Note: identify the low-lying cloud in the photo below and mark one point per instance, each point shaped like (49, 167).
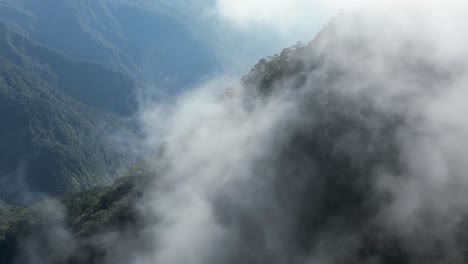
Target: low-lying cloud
(357, 155)
(350, 149)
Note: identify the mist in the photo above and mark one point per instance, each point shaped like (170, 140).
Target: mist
(357, 155)
(347, 149)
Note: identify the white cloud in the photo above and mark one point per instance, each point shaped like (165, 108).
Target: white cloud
(280, 14)
(224, 160)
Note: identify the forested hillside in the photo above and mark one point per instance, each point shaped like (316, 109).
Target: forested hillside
(57, 120)
(87, 220)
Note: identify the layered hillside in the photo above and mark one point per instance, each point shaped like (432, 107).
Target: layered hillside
(86, 82)
(135, 38)
(57, 119)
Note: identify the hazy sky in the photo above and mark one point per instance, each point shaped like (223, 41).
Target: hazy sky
(281, 15)
(241, 32)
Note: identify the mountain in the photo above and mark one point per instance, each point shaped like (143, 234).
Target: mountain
(341, 150)
(149, 42)
(57, 118)
(82, 216)
(320, 182)
(103, 225)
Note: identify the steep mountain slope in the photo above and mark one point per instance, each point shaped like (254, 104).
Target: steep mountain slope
(55, 130)
(146, 42)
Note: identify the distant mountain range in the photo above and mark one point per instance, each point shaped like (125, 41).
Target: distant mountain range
(150, 42)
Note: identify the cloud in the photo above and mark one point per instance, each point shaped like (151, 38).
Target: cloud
(281, 14)
(360, 149)
(355, 154)
(50, 241)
